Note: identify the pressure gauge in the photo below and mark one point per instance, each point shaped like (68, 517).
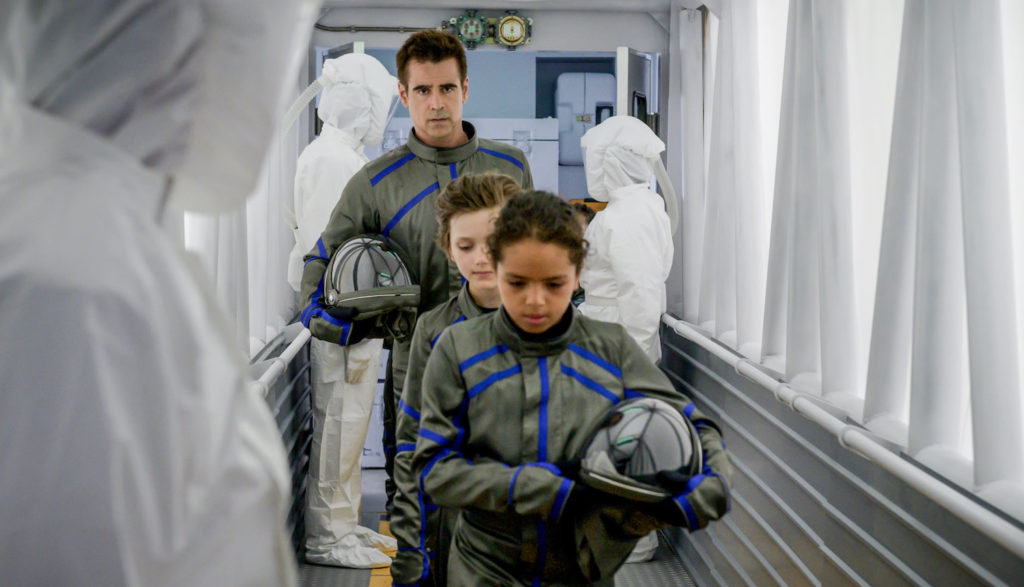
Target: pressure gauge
(511, 31)
(471, 29)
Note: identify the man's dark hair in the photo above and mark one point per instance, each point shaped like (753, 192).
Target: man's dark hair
(430, 45)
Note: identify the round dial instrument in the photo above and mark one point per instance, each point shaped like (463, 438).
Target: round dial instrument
(511, 30)
(471, 29)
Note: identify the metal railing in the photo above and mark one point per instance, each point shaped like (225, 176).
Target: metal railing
(860, 441)
(281, 372)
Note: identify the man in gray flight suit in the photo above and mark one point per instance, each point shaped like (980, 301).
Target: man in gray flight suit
(394, 195)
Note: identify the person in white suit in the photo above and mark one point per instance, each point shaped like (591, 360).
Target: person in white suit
(134, 452)
(358, 97)
(630, 241)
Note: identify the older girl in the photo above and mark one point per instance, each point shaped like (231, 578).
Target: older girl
(508, 394)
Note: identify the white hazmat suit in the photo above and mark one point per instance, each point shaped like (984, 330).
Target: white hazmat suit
(630, 241)
(354, 105)
(133, 452)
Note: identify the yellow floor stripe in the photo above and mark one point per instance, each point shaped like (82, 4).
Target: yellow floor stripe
(382, 577)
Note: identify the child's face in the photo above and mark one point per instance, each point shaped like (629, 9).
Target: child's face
(468, 247)
(536, 281)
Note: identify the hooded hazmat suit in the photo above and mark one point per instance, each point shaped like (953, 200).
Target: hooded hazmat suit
(133, 451)
(630, 241)
(354, 105)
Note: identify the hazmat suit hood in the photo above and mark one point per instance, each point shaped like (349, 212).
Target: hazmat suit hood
(622, 151)
(618, 153)
(358, 96)
(179, 114)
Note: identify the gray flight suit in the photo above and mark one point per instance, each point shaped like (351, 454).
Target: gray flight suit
(422, 529)
(393, 196)
(497, 411)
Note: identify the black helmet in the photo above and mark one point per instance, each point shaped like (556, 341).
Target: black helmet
(640, 449)
(367, 283)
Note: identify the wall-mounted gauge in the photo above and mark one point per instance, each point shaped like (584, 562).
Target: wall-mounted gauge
(470, 28)
(512, 30)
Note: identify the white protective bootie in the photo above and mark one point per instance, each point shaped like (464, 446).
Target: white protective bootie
(644, 549)
(374, 539)
(349, 552)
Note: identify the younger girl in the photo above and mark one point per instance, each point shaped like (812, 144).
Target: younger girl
(466, 211)
(508, 394)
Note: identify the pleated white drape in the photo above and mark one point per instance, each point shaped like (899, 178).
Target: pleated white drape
(892, 285)
(948, 315)
(246, 252)
(810, 315)
(685, 156)
(734, 236)
(221, 243)
(272, 302)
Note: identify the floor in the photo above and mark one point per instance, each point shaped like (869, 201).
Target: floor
(665, 570)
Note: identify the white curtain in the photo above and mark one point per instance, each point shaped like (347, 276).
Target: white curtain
(221, 244)
(686, 157)
(246, 252)
(894, 280)
(272, 302)
(733, 251)
(810, 314)
(948, 316)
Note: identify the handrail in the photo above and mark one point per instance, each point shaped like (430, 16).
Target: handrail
(273, 368)
(859, 441)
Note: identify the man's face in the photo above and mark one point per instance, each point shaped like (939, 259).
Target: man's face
(434, 96)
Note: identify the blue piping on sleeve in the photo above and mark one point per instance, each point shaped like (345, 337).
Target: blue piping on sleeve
(550, 467)
(482, 356)
(409, 410)
(423, 509)
(590, 384)
(517, 162)
(593, 358)
(563, 492)
(407, 207)
(433, 437)
(691, 516)
(512, 485)
(435, 339)
(314, 303)
(387, 170)
(494, 378)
